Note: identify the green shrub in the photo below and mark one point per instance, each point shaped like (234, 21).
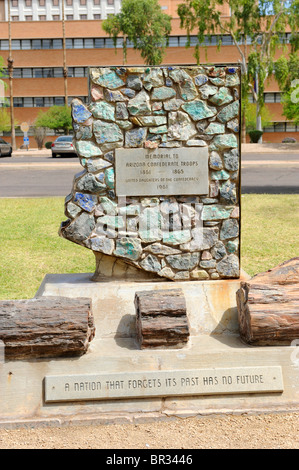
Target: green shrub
(48, 145)
(255, 136)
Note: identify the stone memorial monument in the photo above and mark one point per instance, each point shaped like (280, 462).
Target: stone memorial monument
(160, 185)
(163, 326)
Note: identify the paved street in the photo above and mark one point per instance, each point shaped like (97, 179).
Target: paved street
(29, 175)
(270, 173)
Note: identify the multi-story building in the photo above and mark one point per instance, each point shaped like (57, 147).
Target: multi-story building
(37, 51)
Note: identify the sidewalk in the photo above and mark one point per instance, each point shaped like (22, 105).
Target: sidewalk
(270, 148)
(33, 152)
(246, 148)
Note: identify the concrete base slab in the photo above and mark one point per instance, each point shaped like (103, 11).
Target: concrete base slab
(214, 344)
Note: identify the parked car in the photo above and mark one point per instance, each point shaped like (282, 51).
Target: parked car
(63, 145)
(5, 149)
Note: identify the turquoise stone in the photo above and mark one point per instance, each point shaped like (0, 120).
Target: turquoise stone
(95, 164)
(215, 128)
(224, 141)
(79, 229)
(90, 183)
(103, 110)
(228, 192)
(200, 79)
(87, 149)
(107, 132)
(79, 112)
(184, 261)
(151, 264)
(177, 237)
(223, 96)
(135, 137)
(232, 246)
(108, 206)
(127, 247)
(229, 229)
(85, 201)
(187, 88)
(106, 78)
(158, 130)
(83, 132)
(216, 212)
(229, 266)
(139, 105)
(109, 178)
(229, 112)
(163, 93)
(231, 160)
(112, 221)
(219, 175)
(198, 110)
(232, 80)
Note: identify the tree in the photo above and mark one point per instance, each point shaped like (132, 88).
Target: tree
(39, 136)
(255, 28)
(286, 74)
(144, 24)
(250, 115)
(5, 124)
(56, 118)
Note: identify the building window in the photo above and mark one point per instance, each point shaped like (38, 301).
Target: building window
(97, 16)
(42, 17)
(17, 73)
(78, 43)
(58, 72)
(69, 43)
(83, 17)
(59, 101)
(282, 127)
(38, 102)
(110, 2)
(28, 3)
(42, 3)
(57, 43)
(18, 102)
(36, 44)
(28, 18)
(69, 2)
(55, 3)
(27, 73)
(38, 73)
(82, 2)
(16, 44)
(14, 3)
(291, 127)
(46, 44)
(28, 102)
(69, 17)
(14, 18)
(97, 2)
(56, 17)
(88, 43)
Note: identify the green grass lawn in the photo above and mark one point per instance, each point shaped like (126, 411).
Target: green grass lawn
(31, 247)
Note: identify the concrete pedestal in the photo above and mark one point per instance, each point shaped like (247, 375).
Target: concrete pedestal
(214, 344)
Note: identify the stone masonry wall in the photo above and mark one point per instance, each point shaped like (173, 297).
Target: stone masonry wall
(177, 237)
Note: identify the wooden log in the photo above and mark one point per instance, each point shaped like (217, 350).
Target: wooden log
(161, 319)
(46, 327)
(268, 306)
